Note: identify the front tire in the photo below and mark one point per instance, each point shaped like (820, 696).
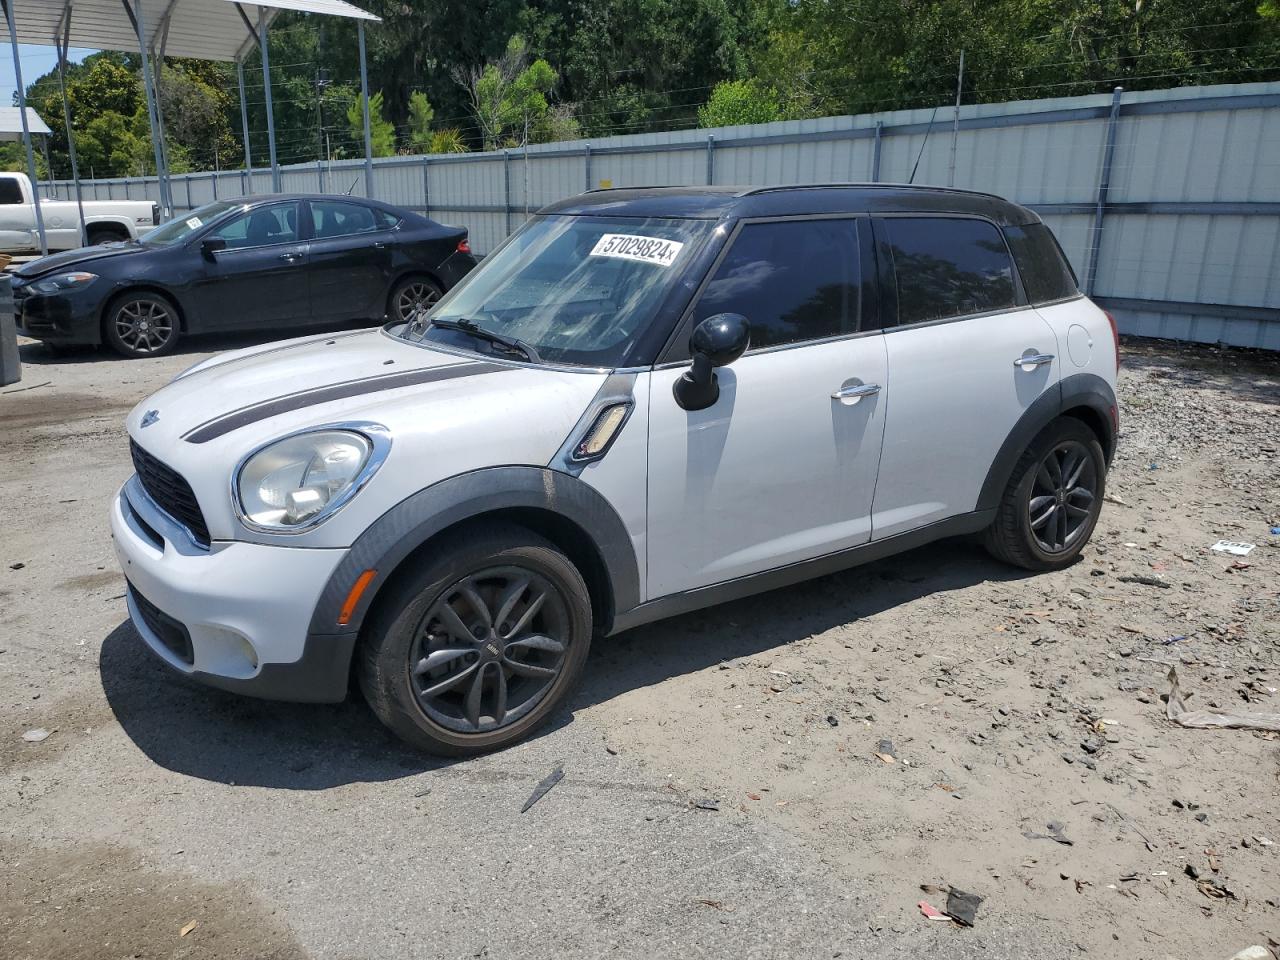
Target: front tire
(141, 324)
(1053, 499)
(480, 646)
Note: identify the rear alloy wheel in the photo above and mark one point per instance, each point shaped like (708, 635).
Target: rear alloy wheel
(142, 325)
(480, 647)
(412, 296)
(1052, 503)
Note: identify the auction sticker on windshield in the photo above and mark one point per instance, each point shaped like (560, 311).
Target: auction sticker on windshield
(194, 223)
(625, 246)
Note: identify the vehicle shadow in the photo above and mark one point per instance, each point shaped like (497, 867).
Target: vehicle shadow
(206, 733)
(36, 353)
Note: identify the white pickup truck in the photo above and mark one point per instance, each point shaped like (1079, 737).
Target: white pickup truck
(105, 219)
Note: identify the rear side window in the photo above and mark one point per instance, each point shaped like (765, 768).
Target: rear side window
(793, 280)
(336, 218)
(10, 191)
(1046, 274)
(948, 267)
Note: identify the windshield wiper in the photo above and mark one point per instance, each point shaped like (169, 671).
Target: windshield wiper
(471, 328)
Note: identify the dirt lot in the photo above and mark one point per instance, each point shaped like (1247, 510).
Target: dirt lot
(1008, 702)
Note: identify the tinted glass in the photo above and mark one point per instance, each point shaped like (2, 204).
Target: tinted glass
(333, 218)
(579, 289)
(793, 280)
(1045, 273)
(386, 219)
(948, 267)
(277, 223)
(10, 191)
(175, 231)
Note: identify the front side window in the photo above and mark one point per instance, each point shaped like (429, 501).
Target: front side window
(176, 231)
(948, 267)
(793, 280)
(336, 218)
(277, 223)
(578, 289)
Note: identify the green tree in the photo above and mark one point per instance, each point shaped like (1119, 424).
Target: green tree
(509, 95)
(421, 113)
(740, 101)
(382, 133)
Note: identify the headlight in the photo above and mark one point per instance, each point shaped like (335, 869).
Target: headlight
(63, 281)
(298, 482)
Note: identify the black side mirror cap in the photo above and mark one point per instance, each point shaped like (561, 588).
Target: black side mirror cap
(716, 342)
(211, 245)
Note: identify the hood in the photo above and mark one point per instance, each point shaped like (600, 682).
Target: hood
(447, 413)
(75, 258)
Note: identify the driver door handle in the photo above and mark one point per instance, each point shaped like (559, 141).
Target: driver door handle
(854, 392)
(1034, 360)
(291, 257)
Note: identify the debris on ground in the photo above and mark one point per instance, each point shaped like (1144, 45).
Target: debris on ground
(36, 735)
(1236, 548)
(963, 907)
(706, 803)
(1055, 834)
(1176, 710)
(1146, 580)
(931, 912)
(1253, 953)
(886, 752)
(540, 791)
(188, 928)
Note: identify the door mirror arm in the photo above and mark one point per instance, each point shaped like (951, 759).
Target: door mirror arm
(716, 342)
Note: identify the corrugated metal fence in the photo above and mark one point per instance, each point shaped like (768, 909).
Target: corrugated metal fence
(1167, 202)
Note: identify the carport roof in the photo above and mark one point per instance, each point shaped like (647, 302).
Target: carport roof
(201, 29)
(11, 123)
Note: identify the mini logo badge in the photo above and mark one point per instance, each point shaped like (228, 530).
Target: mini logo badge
(150, 417)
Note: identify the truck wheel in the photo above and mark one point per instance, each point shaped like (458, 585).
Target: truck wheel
(141, 324)
(107, 235)
(480, 645)
(1051, 505)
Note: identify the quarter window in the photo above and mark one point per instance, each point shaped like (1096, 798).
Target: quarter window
(1045, 273)
(277, 223)
(948, 267)
(793, 280)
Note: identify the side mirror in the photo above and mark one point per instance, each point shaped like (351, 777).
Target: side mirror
(212, 245)
(716, 342)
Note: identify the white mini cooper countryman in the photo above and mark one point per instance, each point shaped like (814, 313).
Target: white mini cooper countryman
(644, 402)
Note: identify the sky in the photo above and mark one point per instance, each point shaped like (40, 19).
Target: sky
(36, 62)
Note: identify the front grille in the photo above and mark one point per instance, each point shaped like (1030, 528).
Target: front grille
(170, 492)
(169, 631)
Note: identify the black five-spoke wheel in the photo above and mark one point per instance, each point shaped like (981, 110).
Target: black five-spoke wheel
(1061, 504)
(489, 649)
(472, 649)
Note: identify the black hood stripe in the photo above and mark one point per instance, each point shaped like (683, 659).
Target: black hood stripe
(224, 424)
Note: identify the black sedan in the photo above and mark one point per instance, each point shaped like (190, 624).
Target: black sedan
(269, 263)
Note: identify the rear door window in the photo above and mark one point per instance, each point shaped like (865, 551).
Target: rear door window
(948, 267)
(794, 280)
(336, 218)
(1046, 274)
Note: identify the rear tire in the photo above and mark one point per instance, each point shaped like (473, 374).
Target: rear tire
(411, 294)
(107, 235)
(1051, 505)
(141, 324)
(478, 647)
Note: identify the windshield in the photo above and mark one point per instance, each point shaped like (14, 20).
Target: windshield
(175, 231)
(577, 289)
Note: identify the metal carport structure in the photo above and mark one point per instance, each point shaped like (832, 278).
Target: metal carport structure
(220, 30)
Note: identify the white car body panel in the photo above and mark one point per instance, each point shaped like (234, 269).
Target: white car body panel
(774, 472)
(18, 233)
(955, 394)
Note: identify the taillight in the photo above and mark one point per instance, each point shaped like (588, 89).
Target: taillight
(465, 247)
(1115, 336)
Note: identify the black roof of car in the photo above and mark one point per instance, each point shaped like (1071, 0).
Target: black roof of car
(714, 203)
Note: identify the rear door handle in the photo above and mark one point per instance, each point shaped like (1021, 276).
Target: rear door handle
(379, 245)
(1033, 360)
(291, 257)
(856, 392)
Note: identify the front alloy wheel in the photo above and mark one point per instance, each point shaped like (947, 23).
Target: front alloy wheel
(142, 325)
(475, 649)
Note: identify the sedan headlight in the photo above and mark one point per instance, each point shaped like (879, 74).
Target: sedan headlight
(62, 282)
(302, 480)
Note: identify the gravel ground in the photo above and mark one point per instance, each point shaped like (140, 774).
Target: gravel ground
(1008, 702)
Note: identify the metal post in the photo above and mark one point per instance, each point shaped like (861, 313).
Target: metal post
(66, 119)
(187, 178)
(955, 124)
(711, 159)
(26, 129)
(586, 163)
(875, 155)
(506, 185)
(426, 187)
(320, 173)
(162, 175)
(364, 98)
(214, 180)
(244, 116)
(152, 110)
(266, 82)
(1104, 184)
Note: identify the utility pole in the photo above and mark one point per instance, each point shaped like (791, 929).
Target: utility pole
(955, 124)
(322, 81)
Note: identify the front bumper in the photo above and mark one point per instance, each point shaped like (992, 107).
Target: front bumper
(233, 616)
(70, 317)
